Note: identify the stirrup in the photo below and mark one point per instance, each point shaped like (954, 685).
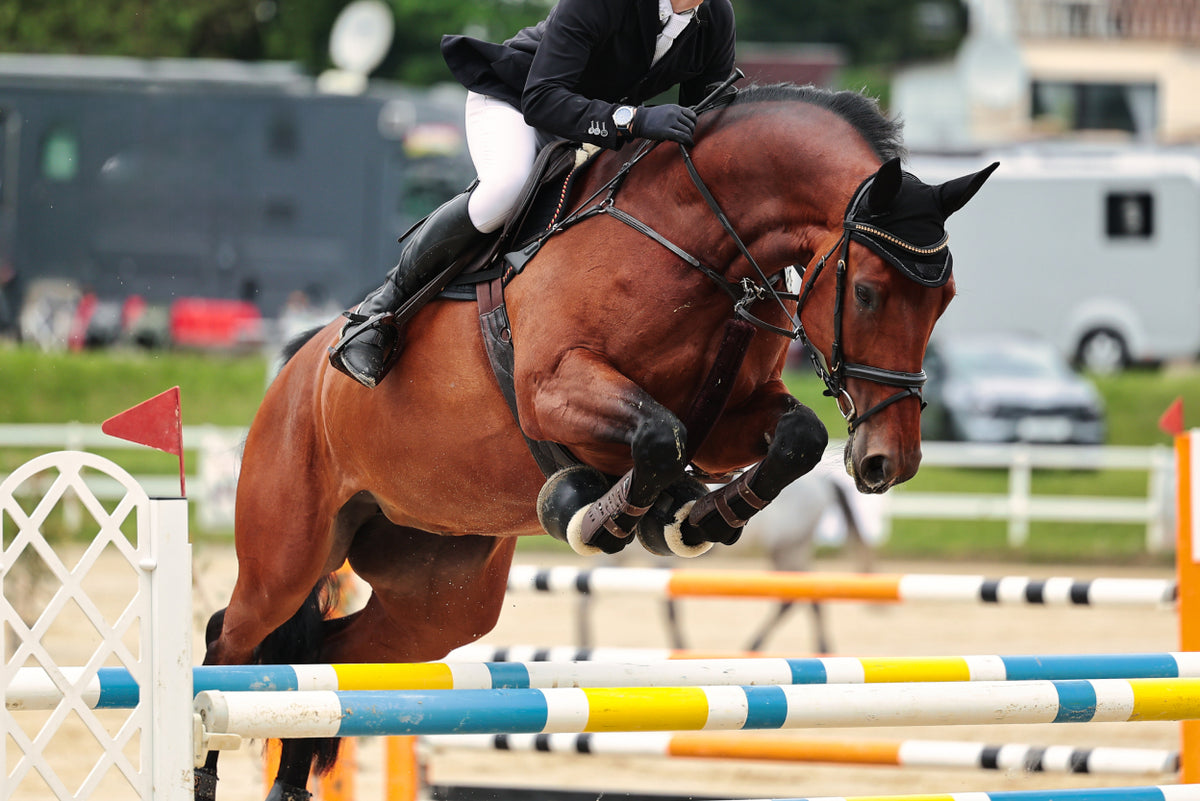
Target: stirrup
(357, 325)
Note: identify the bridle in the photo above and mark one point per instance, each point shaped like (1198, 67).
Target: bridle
(834, 375)
(747, 292)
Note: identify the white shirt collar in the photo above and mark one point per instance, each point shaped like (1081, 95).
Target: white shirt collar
(665, 11)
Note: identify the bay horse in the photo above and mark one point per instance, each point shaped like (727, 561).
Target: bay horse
(619, 327)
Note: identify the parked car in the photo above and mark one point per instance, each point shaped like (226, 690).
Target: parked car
(1008, 388)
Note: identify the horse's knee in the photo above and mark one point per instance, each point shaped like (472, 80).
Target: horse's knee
(797, 447)
(660, 445)
(800, 438)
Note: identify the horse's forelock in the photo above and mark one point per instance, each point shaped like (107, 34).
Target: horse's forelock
(859, 110)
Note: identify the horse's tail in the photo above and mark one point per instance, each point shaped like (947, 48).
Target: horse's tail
(293, 345)
(299, 641)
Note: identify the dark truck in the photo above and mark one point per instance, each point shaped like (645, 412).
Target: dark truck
(164, 180)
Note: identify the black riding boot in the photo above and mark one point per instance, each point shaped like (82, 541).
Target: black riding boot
(370, 341)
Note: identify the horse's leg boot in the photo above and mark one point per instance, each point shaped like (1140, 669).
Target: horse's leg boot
(565, 493)
(721, 514)
(286, 792)
(660, 531)
(608, 523)
(370, 341)
(204, 783)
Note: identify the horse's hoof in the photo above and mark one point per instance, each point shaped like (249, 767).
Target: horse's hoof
(602, 541)
(204, 784)
(565, 493)
(673, 538)
(711, 529)
(287, 792)
(661, 530)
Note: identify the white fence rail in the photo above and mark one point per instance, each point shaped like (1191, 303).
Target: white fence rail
(214, 454)
(213, 478)
(1019, 506)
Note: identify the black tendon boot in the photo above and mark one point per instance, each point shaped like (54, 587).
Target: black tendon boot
(370, 341)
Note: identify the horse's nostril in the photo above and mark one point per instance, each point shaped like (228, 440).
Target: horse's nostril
(876, 471)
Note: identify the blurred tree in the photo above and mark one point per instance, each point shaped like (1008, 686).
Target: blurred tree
(146, 28)
(874, 32)
(298, 30)
(293, 30)
(415, 56)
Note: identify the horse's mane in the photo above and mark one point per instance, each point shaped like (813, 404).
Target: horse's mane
(859, 110)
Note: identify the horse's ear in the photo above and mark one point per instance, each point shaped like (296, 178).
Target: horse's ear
(953, 195)
(885, 187)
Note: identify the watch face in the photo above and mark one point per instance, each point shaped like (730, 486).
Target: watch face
(623, 116)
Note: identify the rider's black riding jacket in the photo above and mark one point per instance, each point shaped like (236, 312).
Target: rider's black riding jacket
(568, 73)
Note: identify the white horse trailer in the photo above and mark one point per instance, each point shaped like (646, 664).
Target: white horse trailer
(1095, 249)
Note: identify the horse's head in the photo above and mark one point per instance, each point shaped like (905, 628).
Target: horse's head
(887, 279)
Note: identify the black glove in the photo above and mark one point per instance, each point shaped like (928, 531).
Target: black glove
(668, 122)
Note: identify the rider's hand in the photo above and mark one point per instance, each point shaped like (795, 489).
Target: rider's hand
(667, 122)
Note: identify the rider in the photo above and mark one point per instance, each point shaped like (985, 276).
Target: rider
(581, 74)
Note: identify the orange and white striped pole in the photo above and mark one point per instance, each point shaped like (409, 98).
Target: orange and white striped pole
(1187, 563)
(403, 771)
(339, 783)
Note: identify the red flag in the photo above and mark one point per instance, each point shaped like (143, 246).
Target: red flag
(156, 422)
(1171, 421)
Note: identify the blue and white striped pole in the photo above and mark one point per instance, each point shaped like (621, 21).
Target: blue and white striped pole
(114, 688)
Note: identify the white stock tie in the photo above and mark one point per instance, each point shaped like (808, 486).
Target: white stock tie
(674, 25)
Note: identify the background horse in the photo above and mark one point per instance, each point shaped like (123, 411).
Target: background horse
(424, 483)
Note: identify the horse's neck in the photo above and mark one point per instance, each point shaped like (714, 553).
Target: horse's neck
(783, 188)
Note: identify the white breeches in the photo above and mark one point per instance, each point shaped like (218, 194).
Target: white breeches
(503, 148)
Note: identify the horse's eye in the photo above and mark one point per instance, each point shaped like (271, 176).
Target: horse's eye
(865, 296)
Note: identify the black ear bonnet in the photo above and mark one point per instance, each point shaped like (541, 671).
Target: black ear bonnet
(902, 219)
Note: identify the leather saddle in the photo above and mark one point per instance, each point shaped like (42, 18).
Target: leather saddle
(539, 207)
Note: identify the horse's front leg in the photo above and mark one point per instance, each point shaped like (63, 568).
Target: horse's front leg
(588, 406)
(795, 448)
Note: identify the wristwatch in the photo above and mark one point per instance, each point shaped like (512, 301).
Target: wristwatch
(623, 118)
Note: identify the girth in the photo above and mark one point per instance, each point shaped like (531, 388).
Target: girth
(497, 341)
